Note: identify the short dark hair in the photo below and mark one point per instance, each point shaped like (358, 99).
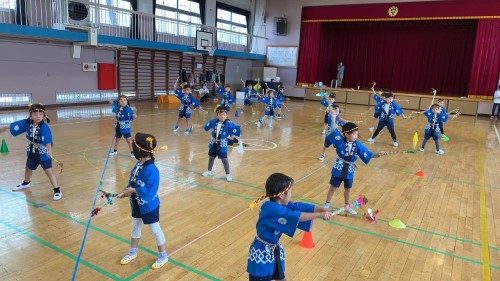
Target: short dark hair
(332, 95)
(220, 108)
(388, 95)
(277, 183)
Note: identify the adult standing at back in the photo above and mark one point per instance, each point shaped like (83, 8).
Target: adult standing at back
(340, 74)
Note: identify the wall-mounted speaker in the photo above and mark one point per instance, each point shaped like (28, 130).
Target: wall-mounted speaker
(280, 26)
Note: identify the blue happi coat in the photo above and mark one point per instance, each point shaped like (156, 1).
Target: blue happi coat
(274, 220)
(145, 178)
(186, 102)
(433, 121)
(230, 129)
(271, 104)
(38, 136)
(227, 98)
(377, 109)
(389, 116)
(349, 155)
(124, 115)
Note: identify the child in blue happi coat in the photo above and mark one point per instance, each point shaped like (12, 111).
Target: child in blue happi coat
(327, 103)
(278, 216)
(280, 96)
(39, 149)
(223, 131)
(250, 94)
(348, 150)
(227, 98)
(144, 201)
(386, 119)
(271, 104)
(335, 121)
(124, 115)
(434, 118)
(187, 100)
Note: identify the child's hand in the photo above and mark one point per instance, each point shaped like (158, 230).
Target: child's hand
(326, 215)
(129, 190)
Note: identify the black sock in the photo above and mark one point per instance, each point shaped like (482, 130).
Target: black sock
(26, 182)
(115, 150)
(56, 190)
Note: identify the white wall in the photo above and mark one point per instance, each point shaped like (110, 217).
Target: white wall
(237, 69)
(44, 69)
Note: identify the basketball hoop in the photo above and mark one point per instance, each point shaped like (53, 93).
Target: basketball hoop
(210, 50)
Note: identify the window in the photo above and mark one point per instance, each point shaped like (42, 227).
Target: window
(233, 20)
(178, 10)
(111, 16)
(7, 4)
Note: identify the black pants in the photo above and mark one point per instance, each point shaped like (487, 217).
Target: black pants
(497, 107)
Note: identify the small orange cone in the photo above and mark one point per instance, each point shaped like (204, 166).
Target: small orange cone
(420, 174)
(307, 240)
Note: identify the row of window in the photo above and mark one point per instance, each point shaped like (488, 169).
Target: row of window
(178, 10)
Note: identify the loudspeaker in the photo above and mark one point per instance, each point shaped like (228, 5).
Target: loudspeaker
(281, 26)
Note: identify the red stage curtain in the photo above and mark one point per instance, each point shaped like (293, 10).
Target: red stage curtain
(486, 62)
(309, 52)
(410, 56)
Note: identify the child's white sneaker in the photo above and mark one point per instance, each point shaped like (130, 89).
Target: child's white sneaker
(132, 155)
(113, 153)
(159, 263)
(21, 186)
(371, 128)
(57, 196)
(323, 133)
(395, 144)
(370, 140)
(440, 152)
(228, 177)
(207, 173)
(128, 258)
(321, 157)
(176, 129)
(326, 206)
(421, 149)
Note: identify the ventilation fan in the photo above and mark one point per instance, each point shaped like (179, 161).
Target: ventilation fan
(77, 14)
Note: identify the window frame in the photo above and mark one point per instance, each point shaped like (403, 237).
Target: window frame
(178, 12)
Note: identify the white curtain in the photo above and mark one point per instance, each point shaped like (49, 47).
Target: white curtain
(259, 28)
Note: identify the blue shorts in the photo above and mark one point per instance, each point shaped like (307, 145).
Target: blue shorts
(118, 133)
(33, 161)
(335, 182)
(248, 102)
(184, 112)
(327, 118)
(384, 123)
(327, 142)
(147, 218)
(216, 151)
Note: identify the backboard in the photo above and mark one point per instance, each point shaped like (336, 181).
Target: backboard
(204, 40)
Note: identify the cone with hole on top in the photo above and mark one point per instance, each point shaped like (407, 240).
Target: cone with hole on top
(420, 174)
(307, 240)
(4, 148)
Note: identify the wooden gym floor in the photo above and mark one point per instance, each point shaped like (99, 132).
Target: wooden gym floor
(452, 223)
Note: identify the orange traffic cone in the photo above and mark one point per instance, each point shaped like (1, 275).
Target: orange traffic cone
(420, 174)
(307, 240)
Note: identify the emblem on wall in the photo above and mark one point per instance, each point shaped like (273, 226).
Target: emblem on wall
(393, 11)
